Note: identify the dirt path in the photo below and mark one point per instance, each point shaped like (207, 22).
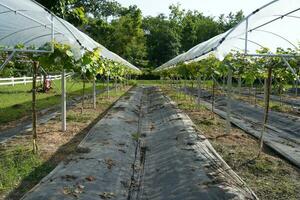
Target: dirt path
(147, 149)
(283, 130)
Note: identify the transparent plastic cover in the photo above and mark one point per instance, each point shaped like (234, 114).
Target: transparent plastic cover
(275, 25)
(28, 24)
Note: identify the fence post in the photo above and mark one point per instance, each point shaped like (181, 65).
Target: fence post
(24, 80)
(12, 81)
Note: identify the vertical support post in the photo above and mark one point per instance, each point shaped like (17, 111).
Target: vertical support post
(229, 90)
(107, 81)
(185, 88)
(199, 90)
(296, 92)
(13, 81)
(94, 94)
(213, 97)
(116, 85)
(297, 84)
(255, 94)
(83, 95)
(240, 85)
(24, 80)
(34, 114)
(268, 83)
(63, 102)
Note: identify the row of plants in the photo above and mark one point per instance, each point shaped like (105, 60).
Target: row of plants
(87, 66)
(248, 70)
(268, 74)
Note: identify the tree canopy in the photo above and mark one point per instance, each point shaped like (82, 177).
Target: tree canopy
(149, 41)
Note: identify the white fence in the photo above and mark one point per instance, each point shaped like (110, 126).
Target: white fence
(24, 80)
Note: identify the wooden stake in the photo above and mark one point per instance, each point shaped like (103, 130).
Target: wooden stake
(94, 94)
(267, 105)
(199, 91)
(213, 99)
(240, 85)
(34, 114)
(255, 98)
(107, 82)
(83, 94)
(116, 85)
(229, 90)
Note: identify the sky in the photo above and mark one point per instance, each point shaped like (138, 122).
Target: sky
(208, 7)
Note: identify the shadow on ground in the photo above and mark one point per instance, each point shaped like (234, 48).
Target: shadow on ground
(62, 154)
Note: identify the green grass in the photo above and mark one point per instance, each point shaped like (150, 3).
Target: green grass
(150, 82)
(135, 136)
(15, 101)
(18, 163)
(77, 117)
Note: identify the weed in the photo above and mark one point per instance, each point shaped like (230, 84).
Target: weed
(135, 136)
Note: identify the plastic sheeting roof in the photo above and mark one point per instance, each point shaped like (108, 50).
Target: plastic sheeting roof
(274, 25)
(26, 22)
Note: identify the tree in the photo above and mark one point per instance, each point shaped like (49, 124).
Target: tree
(100, 30)
(101, 9)
(58, 7)
(197, 28)
(128, 39)
(163, 42)
(67, 10)
(229, 21)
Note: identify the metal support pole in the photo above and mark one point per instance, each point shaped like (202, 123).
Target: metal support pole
(246, 36)
(63, 102)
(7, 60)
(291, 69)
(94, 94)
(229, 90)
